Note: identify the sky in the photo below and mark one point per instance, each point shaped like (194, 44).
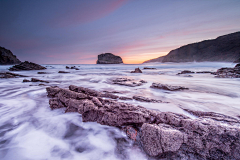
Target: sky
(76, 31)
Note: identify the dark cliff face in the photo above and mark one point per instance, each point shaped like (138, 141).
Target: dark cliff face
(159, 59)
(222, 49)
(7, 57)
(109, 58)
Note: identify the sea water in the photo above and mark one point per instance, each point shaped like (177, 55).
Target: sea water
(30, 130)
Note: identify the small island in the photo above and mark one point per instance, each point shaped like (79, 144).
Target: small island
(109, 58)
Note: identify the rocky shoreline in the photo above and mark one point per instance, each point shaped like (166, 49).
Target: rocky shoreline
(159, 134)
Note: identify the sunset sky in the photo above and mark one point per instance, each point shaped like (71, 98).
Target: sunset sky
(76, 31)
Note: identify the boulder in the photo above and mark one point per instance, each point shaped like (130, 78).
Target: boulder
(167, 87)
(7, 57)
(137, 70)
(109, 58)
(27, 66)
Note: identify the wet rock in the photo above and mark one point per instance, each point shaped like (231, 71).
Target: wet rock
(10, 75)
(67, 67)
(161, 134)
(27, 66)
(109, 58)
(38, 80)
(43, 73)
(74, 67)
(167, 87)
(185, 72)
(63, 72)
(228, 72)
(205, 72)
(125, 98)
(149, 68)
(128, 82)
(137, 70)
(26, 80)
(144, 99)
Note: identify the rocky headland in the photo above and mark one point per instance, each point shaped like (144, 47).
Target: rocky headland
(160, 134)
(7, 57)
(109, 58)
(225, 48)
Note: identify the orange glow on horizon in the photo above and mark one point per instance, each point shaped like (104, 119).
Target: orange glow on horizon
(142, 57)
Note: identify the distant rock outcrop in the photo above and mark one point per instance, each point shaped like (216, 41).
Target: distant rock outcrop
(225, 48)
(7, 57)
(109, 58)
(27, 66)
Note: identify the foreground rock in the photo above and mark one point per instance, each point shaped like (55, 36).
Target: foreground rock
(161, 134)
(10, 75)
(27, 66)
(137, 70)
(7, 57)
(128, 82)
(109, 58)
(228, 72)
(144, 99)
(167, 87)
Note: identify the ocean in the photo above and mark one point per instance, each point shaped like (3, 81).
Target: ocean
(30, 130)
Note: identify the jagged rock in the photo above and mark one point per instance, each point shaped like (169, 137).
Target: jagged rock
(228, 72)
(148, 67)
(63, 72)
(167, 87)
(27, 66)
(137, 70)
(109, 58)
(10, 75)
(128, 82)
(7, 57)
(161, 134)
(185, 72)
(144, 99)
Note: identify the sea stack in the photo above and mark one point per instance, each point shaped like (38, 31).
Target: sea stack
(109, 58)
(7, 57)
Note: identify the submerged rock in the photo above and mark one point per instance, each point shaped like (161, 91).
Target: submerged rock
(35, 80)
(10, 75)
(63, 72)
(137, 70)
(128, 82)
(149, 68)
(7, 57)
(185, 72)
(167, 87)
(109, 58)
(27, 66)
(161, 134)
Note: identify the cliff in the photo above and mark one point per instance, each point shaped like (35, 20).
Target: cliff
(7, 57)
(109, 58)
(225, 48)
